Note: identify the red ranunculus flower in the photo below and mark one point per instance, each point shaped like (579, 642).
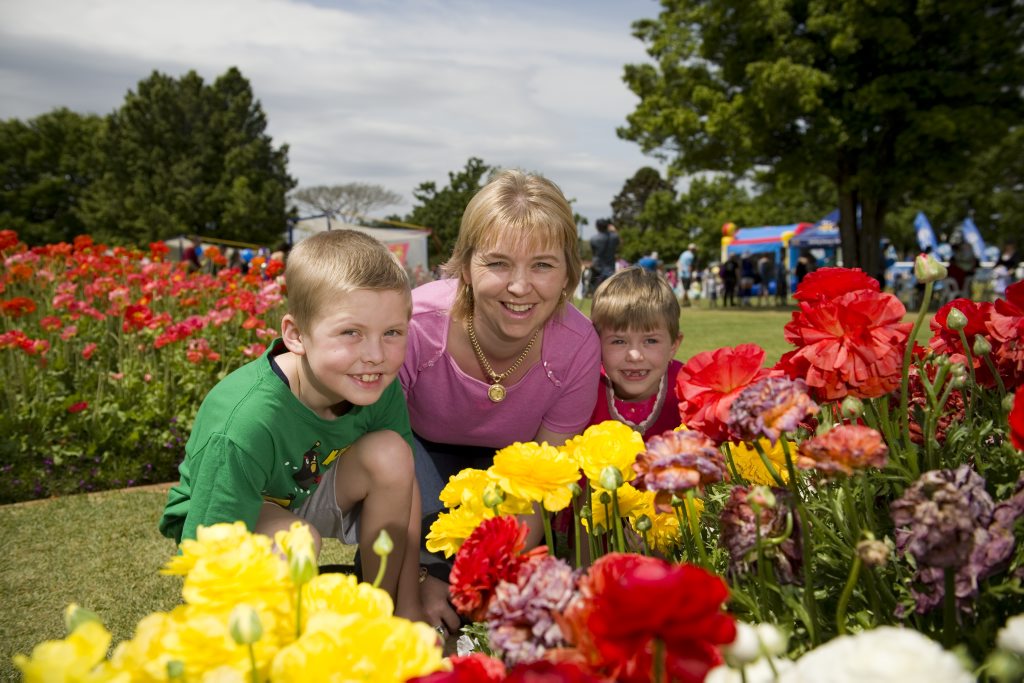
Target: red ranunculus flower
(709, 382)
(828, 283)
(1007, 327)
(628, 601)
(18, 306)
(1017, 419)
(8, 239)
(852, 344)
(136, 317)
(490, 554)
(542, 671)
(473, 668)
(947, 342)
(78, 407)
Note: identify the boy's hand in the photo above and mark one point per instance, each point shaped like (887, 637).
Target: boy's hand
(434, 595)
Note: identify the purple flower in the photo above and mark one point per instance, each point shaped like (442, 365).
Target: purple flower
(520, 618)
(740, 527)
(936, 517)
(769, 407)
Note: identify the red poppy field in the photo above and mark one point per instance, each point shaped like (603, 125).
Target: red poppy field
(107, 354)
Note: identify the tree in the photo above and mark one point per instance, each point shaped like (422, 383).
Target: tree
(349, 202)
(628, 204)
(45, 166)
(441, 209)
(181, 157)
(884, 99)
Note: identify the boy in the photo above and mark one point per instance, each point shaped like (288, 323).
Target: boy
(636, 315)
(316, 429)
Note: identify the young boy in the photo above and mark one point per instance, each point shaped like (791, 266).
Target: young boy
(636, 315)
(317, 429)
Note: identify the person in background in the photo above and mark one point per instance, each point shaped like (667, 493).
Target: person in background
(650, 262)
(730, 274)
(711, 284)
(497, 352)
(766, 277)
(636, 315)
(316, 430)
(748, 278)
(684, 268)
(962, 267)
(603, 246)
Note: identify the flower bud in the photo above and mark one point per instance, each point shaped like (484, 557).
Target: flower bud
(852, 408)
(774, 640)
(873, 553)
(955, 319)
(1008, 402)
(493, 496)
(175, 670)
(643, 523)
(586, 512)
(611, 478)
(981, 346)
(576, 490)
(244, 625)
(302, 567)
(928, 269)
(958, 376)
(605, 498)
(746, 648)
(383, 545)
(75, 616)
(761, 496)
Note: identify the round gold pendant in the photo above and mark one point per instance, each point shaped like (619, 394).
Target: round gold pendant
(496, 393)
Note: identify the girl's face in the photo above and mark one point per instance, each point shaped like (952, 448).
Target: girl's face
(516, 288)
(635, 361)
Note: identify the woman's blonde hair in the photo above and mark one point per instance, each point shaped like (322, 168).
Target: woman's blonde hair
(513, 208)
(635, 299)
(337, 262)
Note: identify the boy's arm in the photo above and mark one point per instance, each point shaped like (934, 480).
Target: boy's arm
(227, 486)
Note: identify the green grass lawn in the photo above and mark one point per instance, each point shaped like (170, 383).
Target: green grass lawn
(104, 552)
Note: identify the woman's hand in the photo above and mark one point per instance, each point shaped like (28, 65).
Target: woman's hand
(434, 596)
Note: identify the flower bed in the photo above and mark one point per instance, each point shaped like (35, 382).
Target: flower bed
(853, 513)
(107, 354)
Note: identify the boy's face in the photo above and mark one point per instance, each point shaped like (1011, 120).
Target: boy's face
(354, 348)
(635, 361)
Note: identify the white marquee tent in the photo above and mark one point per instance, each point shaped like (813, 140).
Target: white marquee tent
(409, 245)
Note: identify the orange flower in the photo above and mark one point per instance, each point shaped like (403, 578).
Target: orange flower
(844, 449)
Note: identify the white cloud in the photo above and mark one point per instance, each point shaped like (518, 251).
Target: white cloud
(394, 92)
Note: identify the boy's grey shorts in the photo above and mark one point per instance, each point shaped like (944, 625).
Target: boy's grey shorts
(321, 510)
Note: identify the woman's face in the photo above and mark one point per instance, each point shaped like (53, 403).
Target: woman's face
(516, 287)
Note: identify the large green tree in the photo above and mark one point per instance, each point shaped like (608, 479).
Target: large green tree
(885, 98)
(46, 164)
(440, 209)
(183, 157)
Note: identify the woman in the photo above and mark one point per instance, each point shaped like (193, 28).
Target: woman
(496, 352)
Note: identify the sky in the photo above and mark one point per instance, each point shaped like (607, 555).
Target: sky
(388, 92)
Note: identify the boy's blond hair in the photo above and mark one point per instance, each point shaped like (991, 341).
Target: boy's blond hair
(337, 262)
(635, 299)
(520, 208)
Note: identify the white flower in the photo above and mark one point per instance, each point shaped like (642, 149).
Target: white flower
(758, 672)
(1011, 635)
(883, 655)
(466, 645)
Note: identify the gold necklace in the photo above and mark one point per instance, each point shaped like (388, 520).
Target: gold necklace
(496, 392)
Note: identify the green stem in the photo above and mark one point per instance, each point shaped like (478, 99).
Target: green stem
(691, 515)
(844, 599)
(995, 373)
(907, 354)
(620, 538)
(684, 527)
(380, 571)
(658, 661)
(769, 465)
(549, 537)
(252, 662)
(298, 606)
(577, 532)
(810, 603)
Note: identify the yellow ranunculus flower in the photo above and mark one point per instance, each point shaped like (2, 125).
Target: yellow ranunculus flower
(748, 463)
(608, 443)
(341, 593)
(143, 657)
(467, 489)
(535, 472)
(216, 539)
(71, 659)
(353, 648)
(452, 528)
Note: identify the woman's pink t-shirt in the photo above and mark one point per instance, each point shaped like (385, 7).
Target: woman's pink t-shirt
(448, 406)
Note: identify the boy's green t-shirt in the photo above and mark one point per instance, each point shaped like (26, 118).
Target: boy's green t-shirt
(253, 440)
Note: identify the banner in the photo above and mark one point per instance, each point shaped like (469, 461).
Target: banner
(925, 235)
(973, 237)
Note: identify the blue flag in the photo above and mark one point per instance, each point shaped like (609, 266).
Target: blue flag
(973, 237)
(925, 235)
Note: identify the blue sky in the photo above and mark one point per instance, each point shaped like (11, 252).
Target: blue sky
(394, 92)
